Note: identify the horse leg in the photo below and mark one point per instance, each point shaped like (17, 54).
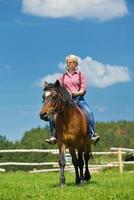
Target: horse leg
(87, 172)
(75, 163)
(62, 163)
(81, 165)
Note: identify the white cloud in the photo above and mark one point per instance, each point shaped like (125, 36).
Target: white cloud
(103, 75)
(97, 74)
(79, 9)
(49, 78)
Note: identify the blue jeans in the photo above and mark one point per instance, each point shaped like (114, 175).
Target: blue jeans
(80, 101)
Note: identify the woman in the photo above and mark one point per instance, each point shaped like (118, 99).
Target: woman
(75, 83)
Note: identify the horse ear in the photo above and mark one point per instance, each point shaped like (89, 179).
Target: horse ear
(45, 84)
(57, 83)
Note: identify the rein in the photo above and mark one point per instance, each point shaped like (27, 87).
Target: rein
(57, 104)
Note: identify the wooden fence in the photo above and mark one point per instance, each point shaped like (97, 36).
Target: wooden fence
(120, 151)
(117, 151)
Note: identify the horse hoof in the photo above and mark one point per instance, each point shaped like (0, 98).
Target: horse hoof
(77, 182)
(62, 185)
(82, 182)
(87, 176)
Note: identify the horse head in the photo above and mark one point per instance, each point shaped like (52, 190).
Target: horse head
(55, 99)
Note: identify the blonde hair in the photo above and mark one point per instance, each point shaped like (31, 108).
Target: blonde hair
(73, 57)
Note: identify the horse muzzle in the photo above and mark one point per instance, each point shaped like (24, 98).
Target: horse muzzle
(44, 116)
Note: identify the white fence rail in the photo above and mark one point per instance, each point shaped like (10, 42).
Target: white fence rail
(2, 170)
(117, 151)
(55, 151)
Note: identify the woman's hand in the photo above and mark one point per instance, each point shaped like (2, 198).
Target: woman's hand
(74, 94)
(79, 93)
(70, 93)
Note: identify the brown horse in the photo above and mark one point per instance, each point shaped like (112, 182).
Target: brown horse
(71, 129)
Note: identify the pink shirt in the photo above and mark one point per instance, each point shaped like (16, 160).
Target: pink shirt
(72, 82)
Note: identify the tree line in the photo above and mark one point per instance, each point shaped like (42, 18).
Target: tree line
(112, 134)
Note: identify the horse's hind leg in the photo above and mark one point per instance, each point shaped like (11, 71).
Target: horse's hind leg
(75, 163)
(81, 165)
(87, 172)
(62, 163)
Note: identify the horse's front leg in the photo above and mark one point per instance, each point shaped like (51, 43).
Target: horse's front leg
(62, 163)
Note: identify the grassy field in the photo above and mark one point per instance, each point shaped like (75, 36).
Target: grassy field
(103, 186)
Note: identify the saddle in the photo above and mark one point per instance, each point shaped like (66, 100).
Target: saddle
(85, 115)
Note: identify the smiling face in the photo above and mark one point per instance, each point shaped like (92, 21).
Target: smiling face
(71, 65)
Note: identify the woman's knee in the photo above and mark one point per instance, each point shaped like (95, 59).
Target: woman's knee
(85, 107)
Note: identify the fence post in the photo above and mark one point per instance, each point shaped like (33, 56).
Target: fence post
(120, 160)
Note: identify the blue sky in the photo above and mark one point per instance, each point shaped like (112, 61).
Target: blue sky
(35, 38)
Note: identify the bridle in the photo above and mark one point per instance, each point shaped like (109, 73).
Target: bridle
(56, 108)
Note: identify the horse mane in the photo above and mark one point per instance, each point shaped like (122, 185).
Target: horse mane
(65, 94)
(60, 89)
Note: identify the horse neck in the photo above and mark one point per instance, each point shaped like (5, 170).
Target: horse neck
(69, 111)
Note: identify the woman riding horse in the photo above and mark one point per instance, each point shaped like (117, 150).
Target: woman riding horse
(75, 83)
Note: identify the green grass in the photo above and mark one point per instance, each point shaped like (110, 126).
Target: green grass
(108, 185)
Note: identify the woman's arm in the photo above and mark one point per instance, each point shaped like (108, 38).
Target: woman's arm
(79, 93)
(82, 90)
